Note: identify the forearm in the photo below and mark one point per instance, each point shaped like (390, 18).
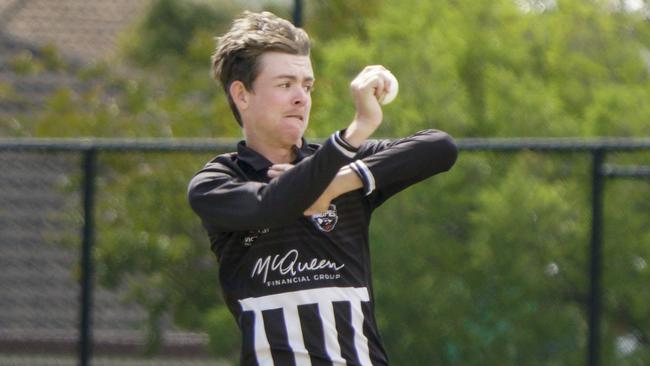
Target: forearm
(231, 203)
(357, 132)
(390, 166)
(346, 180)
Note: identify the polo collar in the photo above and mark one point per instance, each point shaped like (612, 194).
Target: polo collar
(258, 162)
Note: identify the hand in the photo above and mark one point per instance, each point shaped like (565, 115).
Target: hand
(277, 170)
(367, 88)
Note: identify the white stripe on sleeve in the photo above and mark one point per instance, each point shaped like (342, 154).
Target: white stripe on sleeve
(366, 176)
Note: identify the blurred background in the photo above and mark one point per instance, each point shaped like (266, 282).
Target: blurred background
(485, 265)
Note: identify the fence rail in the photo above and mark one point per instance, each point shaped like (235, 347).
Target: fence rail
(205, 145)
(598, 148)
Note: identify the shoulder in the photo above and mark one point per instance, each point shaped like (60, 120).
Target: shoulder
(224, 162)
(220, 168)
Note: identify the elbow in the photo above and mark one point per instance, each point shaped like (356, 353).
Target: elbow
(445, 150)
(199, 200)
(195, 200)
(451, 151)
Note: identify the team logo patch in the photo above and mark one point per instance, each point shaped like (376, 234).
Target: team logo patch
(326, 221)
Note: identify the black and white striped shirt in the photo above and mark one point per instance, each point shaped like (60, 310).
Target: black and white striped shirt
(300, 288)
(333, 319)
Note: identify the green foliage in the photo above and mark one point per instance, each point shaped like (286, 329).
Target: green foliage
(23, 64)
(169, 28)
(489, 265)
(223, 333)
(486, 69)
(332, 19)
(157, 249)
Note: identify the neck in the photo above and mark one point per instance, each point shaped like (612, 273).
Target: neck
(276, 154)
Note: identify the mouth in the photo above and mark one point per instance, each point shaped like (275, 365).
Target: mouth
(299, 117)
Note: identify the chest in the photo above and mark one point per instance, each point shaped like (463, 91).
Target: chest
(329, 250)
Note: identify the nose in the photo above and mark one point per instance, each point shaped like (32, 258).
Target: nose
(301, 96)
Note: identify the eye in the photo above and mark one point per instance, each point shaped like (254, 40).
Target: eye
(309, 88)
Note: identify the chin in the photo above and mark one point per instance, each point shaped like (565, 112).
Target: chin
(294, 134)
(294, 140)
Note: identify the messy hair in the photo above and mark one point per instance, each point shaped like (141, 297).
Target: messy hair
(238, 51)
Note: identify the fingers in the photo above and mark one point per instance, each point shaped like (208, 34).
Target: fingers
(277, 170)
(375, 80)
(391, 90)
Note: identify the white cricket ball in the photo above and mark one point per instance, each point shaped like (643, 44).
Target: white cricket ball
(392, 92)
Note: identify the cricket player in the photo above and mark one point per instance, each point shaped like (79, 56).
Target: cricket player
(288, 220)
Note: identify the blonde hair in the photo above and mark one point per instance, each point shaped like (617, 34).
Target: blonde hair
(238, 51)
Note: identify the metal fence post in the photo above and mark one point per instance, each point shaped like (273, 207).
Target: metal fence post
(85, 325)
(297, 13)
(595, 267)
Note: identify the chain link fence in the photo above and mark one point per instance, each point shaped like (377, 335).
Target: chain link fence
(58, 197)
(46, 285)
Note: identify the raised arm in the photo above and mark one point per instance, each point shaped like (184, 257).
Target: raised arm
(227, 202)
(386, 167)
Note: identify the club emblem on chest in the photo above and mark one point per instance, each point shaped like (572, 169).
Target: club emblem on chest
(326, 221)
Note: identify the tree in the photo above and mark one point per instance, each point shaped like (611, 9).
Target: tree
(491, 69)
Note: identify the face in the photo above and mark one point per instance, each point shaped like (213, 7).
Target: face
(276, 111)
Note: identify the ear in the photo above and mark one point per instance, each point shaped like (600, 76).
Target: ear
(239, 94)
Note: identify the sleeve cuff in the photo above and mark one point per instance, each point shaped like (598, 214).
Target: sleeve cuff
(365, 175)
(343, 146)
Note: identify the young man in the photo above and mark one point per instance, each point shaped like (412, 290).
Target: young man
(287, 220)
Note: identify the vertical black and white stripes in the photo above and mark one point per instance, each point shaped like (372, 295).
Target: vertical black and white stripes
(333, 319)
